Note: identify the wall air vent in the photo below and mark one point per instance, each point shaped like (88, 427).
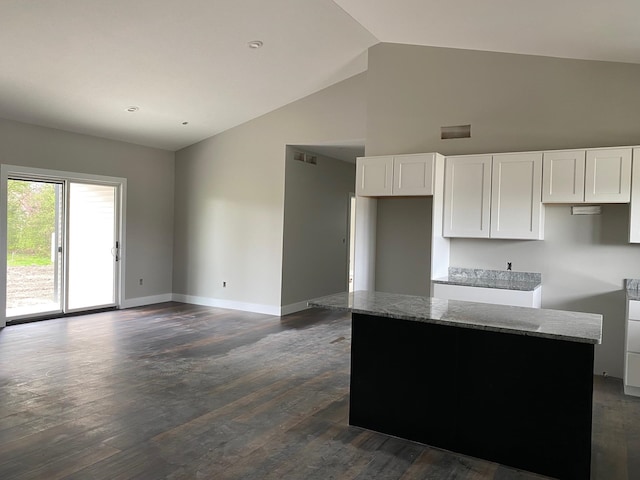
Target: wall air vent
(305, 157)
(456, 131)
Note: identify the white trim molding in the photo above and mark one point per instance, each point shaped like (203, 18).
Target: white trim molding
(142, 301)
(30, 173)
(293, 308)
(229, 304)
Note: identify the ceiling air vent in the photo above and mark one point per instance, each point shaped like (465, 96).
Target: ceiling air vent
(456, 131)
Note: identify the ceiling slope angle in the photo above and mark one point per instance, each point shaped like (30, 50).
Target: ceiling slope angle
(80, 65)
(581, 29)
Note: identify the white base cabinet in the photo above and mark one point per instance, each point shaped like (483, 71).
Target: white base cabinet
(632, 349)
(498, 296)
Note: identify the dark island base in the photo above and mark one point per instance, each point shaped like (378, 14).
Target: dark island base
(517, 400)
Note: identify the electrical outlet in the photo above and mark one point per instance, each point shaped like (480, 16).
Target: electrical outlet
(140, 281)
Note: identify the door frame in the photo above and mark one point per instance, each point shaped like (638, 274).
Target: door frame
(9, 171)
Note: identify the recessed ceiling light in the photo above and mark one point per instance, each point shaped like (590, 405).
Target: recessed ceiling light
(133, 108)
(255, 44)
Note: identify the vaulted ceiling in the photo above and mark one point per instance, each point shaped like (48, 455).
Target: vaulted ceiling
(186, 65)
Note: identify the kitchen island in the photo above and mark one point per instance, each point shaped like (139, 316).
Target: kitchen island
(512, 385)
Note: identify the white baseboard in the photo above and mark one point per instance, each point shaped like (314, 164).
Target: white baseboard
(216, 302)
(230, 304)
(141, 301)
(293, 308)
(629, 390)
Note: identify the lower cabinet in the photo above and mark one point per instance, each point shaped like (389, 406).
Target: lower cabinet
(632, 349)
(498, 296)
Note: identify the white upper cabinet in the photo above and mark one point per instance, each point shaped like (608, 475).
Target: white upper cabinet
(516, 201)
(413, 174)
(494, 196)
(563, 176)
(374, 176)
(608, 176)
(401, 175)
(587, 176)
(467, 196)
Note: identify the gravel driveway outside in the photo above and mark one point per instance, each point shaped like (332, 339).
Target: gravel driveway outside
(29, 285)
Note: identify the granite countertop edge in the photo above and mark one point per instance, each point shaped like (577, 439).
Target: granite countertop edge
(497, 279)
(552, 324)
(490, 283)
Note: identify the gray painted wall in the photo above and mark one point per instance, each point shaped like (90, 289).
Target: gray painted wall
(516, 103)
(230, 196)
(316, 214)
(149, 173)
(403, 245)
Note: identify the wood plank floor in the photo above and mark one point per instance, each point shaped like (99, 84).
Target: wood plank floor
(178, 391)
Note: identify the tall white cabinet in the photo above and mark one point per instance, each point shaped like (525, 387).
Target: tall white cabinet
(494, 196)
(411, 175)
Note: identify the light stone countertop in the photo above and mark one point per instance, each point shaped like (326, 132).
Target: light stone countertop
(553, 324)
(502, 279)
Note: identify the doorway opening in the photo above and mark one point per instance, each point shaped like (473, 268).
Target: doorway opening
(61, 243)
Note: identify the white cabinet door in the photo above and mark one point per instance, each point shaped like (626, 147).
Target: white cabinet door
(632, 349)
(497, 296)
(632, 370)
(516, 196)
(633, 336)
(634, 208)
(563, 176)
(608, 176)
(467, 196)
(413, 174)
(374, 176)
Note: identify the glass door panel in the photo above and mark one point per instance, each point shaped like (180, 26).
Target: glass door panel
(34, 266)
(91, 250)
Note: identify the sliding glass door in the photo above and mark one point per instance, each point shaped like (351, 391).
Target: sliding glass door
(91, 246)
(34, 238)
(63, 246)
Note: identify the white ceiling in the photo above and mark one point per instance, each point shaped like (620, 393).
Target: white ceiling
(78, 64)
(585, 29)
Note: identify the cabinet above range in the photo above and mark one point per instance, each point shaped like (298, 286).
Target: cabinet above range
(600, 175)
(395, 175)
(494, 196)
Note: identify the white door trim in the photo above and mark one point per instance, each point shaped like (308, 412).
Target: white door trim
(7, 171)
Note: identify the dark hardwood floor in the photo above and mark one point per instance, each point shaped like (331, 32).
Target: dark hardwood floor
(185, 392)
